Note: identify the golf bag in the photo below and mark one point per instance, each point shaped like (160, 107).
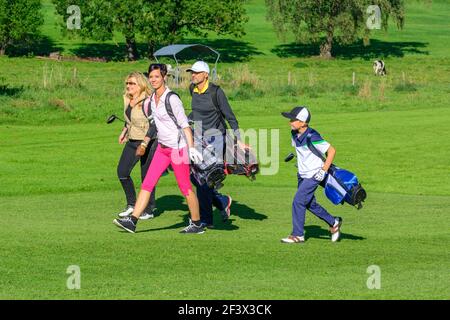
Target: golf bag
(210, 170)
(236, 160)
(340, 185)
(240, 161)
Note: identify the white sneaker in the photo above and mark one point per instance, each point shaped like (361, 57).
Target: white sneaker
(127, 212)
(146, 216)
(293, 239)
(336, 229)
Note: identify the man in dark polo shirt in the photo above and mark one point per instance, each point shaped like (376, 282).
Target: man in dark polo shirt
(210, 111)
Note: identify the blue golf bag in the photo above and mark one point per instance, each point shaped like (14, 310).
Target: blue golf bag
(340, 185)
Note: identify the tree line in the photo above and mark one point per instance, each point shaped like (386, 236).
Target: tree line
(157, 22)
(328, 21)
(163, 22)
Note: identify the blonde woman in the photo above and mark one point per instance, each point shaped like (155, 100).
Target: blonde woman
(136, 135)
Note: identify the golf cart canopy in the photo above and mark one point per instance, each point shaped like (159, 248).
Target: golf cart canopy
(196, 50)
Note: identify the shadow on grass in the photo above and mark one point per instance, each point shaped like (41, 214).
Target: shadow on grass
(230, 50)
(41, 46)
(170, 203)
(176, 203)
(376, 49)
(108, 51)
(237, 210)
(245, 212)
(320, 233)
(6, 91)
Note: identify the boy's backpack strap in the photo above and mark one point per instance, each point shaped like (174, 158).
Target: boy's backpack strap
(316, 152)
(312, 148)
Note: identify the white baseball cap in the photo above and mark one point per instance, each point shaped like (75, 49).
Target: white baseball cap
(199, 66)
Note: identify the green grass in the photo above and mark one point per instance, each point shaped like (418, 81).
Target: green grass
(59, 187)
(241, 261)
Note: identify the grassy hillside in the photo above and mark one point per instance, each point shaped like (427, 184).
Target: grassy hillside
(255, 73)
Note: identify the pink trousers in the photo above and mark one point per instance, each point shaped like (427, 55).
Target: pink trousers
(163, 157)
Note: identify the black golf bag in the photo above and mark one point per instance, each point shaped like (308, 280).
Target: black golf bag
(240, 161)
(210, 170)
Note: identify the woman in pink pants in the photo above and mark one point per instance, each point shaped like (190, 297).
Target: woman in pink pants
(175, 147)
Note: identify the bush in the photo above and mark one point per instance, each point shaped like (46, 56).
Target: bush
(246, 91)
(405, 87)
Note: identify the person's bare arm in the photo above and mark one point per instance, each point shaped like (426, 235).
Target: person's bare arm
(189, 138)
(331, 152)
(123, 135)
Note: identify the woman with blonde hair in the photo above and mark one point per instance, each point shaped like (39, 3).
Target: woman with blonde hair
(137, 135)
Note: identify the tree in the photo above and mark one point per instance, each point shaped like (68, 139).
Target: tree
(171, 20)
(19, 22)
(101, 19)
(343, 21)
(158, 22)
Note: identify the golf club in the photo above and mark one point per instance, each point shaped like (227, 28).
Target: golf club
(113, 117)
(289, 157)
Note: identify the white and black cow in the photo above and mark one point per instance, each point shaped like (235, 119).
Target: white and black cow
(379, 68)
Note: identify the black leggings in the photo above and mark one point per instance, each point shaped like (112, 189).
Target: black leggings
(127, 162)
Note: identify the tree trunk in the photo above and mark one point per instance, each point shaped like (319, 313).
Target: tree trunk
(132, 53)
(325, 47)
(151, 48)
(2, 49)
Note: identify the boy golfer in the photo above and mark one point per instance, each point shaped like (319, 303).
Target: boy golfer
(311, 172)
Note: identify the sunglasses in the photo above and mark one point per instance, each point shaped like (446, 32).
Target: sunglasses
(130, 83)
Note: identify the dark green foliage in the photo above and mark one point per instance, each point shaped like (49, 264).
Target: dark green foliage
(19, 22)
(158, 22)
(405, 87)
(246, 91)
(326, 21)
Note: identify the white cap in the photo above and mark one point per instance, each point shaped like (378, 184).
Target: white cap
(303, 115)
(199, 66)
(298, 113)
